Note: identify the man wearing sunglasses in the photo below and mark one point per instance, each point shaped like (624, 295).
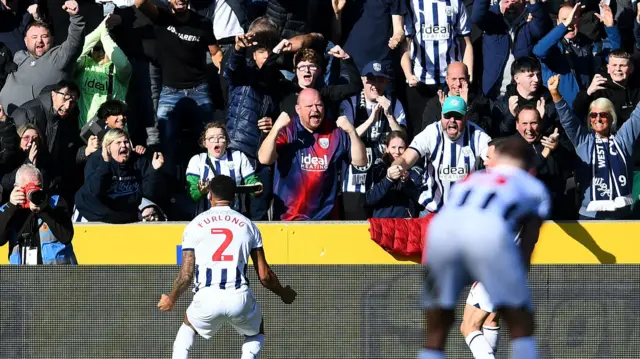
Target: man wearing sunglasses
(449, 148)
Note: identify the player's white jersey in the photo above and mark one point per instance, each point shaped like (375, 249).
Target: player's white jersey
(447, 161)
(436, 28)
(222, 240)
(508, 192)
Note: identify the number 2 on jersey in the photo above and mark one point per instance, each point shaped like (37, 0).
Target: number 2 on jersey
(228, 238)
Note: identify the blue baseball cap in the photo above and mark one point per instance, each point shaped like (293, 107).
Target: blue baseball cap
(376, 68)
(454, 104)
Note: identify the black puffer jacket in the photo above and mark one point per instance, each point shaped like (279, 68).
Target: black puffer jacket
(7, 65)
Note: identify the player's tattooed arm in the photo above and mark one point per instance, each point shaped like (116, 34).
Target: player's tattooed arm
(182, 282)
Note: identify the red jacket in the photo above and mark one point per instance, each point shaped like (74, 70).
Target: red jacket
(400, 236)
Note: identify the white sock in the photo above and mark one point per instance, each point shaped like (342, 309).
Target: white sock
(524, 348)
(479, 345)
(492, 334)
(183, 343)
(430, 354)
(252, 347)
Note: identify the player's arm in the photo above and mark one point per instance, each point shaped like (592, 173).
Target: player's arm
(268, 278)
(182, 282)
(529, 238)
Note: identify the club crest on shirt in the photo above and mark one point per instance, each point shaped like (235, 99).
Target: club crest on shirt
(448, 10)
(466, 151)
(324, 142)
(230, 165)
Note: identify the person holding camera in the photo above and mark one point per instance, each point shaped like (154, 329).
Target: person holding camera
(37, 226)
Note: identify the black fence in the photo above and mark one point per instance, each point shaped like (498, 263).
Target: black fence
(342, 311)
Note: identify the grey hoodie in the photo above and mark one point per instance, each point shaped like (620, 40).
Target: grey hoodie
(34, 74)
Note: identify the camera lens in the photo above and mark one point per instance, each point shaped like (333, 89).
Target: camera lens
(37, 197)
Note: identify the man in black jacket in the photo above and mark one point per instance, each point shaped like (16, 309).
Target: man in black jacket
(37, 227)
(7, 65)
(553, 163)
(9, 144)
(308, 69)
(617, 85)
(54, 113)
(526, 89)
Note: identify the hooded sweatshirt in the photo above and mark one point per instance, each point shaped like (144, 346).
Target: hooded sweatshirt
(34, 74)
(112, 191)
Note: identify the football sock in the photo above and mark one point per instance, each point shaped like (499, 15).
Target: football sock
(252, 346)
(479, 345)
(430, 354)
(183, 343)
(492, 334)
(524, 348)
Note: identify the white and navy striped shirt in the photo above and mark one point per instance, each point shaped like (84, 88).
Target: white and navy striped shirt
(447, 161)
(222, 240)
(359, 179)
(436, 28)
(234, 164)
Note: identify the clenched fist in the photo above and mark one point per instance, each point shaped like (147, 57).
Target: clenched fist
(71, 7)
(344, 123)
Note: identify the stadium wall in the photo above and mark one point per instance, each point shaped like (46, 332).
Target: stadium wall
(332, 243)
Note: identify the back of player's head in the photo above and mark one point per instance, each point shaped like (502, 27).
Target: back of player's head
(495, 141)
(517, 149)
(223, 188)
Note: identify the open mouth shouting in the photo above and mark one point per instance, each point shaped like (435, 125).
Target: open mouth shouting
(307, 79)
(530, 135)
(315, 118)
(180, 5)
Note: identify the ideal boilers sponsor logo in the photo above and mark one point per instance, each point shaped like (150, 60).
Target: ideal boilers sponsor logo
(434, 32)
(452, 174)
(314, 164)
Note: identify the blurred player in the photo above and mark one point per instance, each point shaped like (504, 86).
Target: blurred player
(471, 238)
(479, 311)
(216, 246)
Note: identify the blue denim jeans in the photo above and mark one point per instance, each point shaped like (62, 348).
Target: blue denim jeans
(182, 110)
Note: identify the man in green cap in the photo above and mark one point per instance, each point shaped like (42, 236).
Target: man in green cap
(449, 148)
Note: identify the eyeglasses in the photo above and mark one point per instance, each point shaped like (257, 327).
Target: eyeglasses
(456, 116)
(67, 96)
(595, 115)
(216, 139)
(29, 138)
(308, 67)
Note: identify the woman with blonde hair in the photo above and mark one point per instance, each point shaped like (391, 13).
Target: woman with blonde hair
(604, 172)
(115, 181)
(217, 160)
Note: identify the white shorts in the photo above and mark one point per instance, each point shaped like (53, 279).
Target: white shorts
(211, 308)
(466, 246)
(479, 298)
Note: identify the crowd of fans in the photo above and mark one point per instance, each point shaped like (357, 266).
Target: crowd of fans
(336, 109)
